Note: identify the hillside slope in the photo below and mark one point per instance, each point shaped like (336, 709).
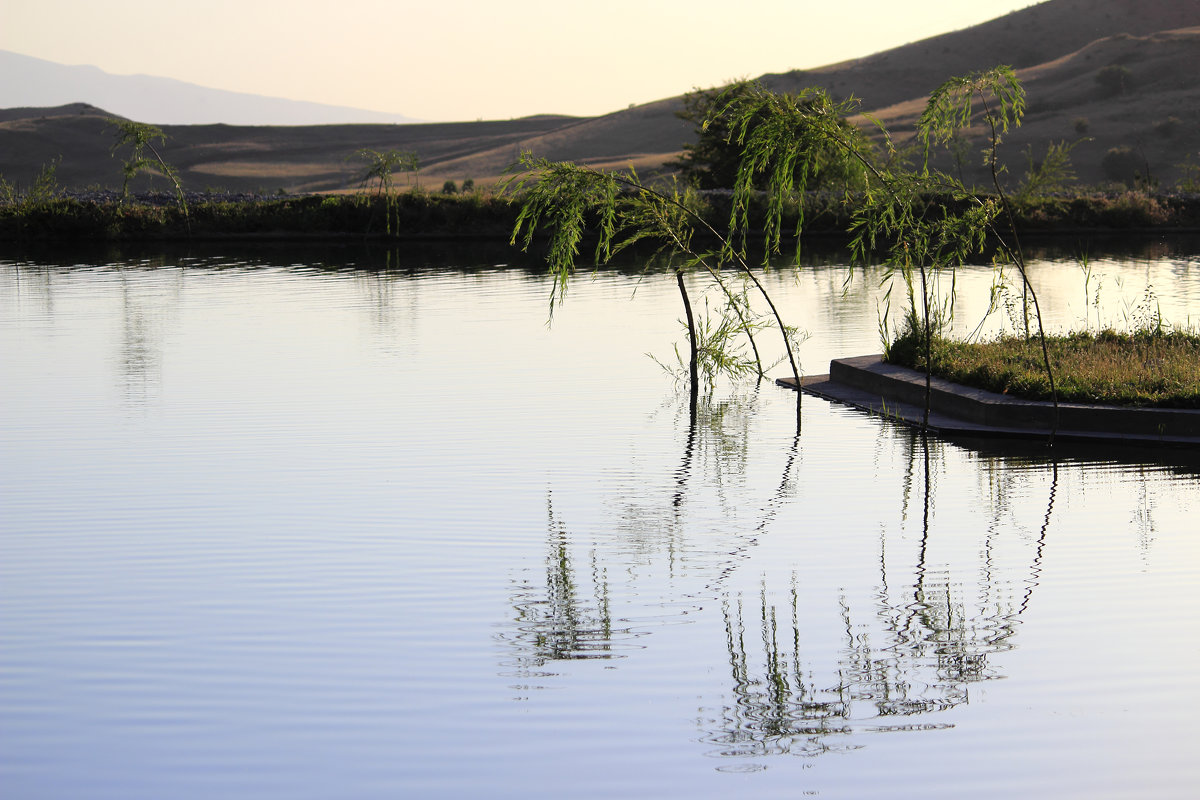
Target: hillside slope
(1035, 35)
(305, 158)
(1059, 48)
(651, 134)
(1157, 116)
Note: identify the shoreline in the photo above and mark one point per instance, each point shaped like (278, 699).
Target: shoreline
(897, 393)
(101, 215)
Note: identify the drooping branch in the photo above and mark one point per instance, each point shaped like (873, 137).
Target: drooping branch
(782, 134)
(566, 198)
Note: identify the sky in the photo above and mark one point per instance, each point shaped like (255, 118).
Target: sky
(455, 60)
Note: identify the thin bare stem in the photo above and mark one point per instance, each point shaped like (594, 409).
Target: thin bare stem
(739, 262)
(1018, 257)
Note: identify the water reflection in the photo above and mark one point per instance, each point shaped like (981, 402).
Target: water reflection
(945, 603)
(150, 291)
(939, 613)
(718, 445)
(146, 307)
(568, 617)
(718, 441)
(931, 634)
(324, 539)
(33, 281)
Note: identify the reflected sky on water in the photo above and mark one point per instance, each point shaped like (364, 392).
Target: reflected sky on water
(367, 526)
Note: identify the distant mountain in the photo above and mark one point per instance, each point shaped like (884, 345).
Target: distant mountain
(28, 82)
(1059, 47)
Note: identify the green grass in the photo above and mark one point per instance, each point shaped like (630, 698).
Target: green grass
(1144, 368)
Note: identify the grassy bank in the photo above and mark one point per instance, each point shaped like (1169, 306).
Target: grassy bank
(413, 215)
(1150, 368)
(407, 215)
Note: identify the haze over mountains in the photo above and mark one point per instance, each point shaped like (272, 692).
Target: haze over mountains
(34, 82)
(1059, 48)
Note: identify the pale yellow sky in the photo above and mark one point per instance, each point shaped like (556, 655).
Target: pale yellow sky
(469, 59)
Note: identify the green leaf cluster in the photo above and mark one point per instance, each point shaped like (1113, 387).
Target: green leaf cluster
(138, 138)
(567, 203)
(381, 169)
(382, 166)
(712, 161)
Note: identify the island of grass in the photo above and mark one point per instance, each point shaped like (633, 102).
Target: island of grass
(1139, 388)
(1142, 369)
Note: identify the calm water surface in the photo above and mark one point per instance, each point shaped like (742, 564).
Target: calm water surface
(364, 526)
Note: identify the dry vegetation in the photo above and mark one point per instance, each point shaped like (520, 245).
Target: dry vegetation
(1153, 368)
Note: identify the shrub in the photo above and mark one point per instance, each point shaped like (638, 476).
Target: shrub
(1052, 174)
(1135, 210)
(1113, 79)
(449, 187)
(1123, 164)
(1168, 127)
(1189, 179)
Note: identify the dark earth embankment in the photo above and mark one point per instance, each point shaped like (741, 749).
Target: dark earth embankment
(103, 216)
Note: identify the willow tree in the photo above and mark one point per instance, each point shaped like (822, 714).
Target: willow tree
(380, 171)
(921, 223)
(136, 138)
(712, 160)
(569, 203)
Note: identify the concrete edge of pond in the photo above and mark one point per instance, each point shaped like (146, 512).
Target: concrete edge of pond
(898, 393)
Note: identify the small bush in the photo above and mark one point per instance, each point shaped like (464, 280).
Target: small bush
(449, 187)
(1137, 210)
(1123, 164)
(1189, 179)
(1113, 79)
(1081, 125)
(1168, 127)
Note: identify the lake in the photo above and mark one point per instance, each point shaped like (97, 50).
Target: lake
(332, 522)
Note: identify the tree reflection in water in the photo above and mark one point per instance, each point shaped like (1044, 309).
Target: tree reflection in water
(935, 623)
(568, 618)
(927, 644)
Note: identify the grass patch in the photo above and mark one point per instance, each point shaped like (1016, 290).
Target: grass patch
(1144, 369)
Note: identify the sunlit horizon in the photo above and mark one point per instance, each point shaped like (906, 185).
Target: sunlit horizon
(466, 60)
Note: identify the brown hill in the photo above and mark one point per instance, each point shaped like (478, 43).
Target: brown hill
(306, 158)
(1156, 116)
(1025, 38)
(1059, 46)
(651, 134)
